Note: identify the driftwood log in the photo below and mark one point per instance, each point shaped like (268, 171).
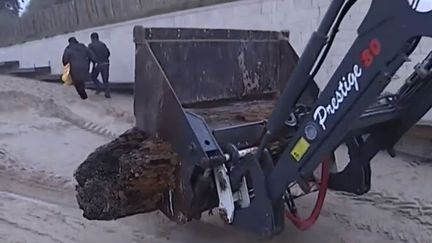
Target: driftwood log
(128, 175)
(125, 177)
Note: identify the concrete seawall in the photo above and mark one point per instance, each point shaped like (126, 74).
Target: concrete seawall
(300, 17)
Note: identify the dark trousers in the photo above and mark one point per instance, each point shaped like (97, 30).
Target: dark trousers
(80, 88)
(78, 80)
(103, 70)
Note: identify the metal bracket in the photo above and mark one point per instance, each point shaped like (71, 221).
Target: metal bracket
(226, 200)
(242, 196)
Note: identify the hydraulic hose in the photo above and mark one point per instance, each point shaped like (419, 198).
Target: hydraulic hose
(304, 224)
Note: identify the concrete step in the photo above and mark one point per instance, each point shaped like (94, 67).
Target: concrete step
(8, 66)
(32, 72)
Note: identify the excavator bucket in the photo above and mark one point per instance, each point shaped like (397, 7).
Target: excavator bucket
(204, 65)
(191, 68)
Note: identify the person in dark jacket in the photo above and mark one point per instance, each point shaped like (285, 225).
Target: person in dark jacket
(101, 64)
(79, 58)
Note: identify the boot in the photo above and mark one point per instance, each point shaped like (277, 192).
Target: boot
(107, 92)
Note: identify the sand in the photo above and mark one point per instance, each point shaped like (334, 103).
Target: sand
(46, 131)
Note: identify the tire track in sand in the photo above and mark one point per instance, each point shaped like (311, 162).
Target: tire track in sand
(417, 211)
(49, 108)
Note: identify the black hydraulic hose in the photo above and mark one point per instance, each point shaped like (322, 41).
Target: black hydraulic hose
(415, 82)
(414, 45)
(427, 62)
(301, 75)
(415, 4)
(330, 16)
(332, 37)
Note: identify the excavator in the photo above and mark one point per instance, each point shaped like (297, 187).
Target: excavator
(254, 172)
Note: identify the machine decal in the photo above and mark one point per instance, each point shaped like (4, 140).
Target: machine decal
(300, 149)
(346, 85)
(368, 55)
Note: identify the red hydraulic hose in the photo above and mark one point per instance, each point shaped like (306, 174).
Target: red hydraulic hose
(304, 224)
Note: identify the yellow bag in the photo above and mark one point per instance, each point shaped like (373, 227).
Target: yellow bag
(66, 77)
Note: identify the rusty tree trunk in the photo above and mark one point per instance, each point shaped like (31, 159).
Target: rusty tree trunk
(125, 177)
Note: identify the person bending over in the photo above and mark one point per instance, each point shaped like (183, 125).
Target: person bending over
(79, 58)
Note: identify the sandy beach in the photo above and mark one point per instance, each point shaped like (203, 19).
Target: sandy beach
(46, 131)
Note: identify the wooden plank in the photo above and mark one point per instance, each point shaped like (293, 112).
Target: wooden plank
(56, 19)
(103, 6)
(111, 9)
(95, 9)
(73, 21)
(60, 18)
(85, 13)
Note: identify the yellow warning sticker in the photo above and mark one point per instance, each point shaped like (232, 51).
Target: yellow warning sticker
(300, 149)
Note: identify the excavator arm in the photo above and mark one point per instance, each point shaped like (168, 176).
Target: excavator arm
(247, 171)
(385, 40)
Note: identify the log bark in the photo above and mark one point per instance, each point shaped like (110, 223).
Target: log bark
(124, 177)
(128, 175)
